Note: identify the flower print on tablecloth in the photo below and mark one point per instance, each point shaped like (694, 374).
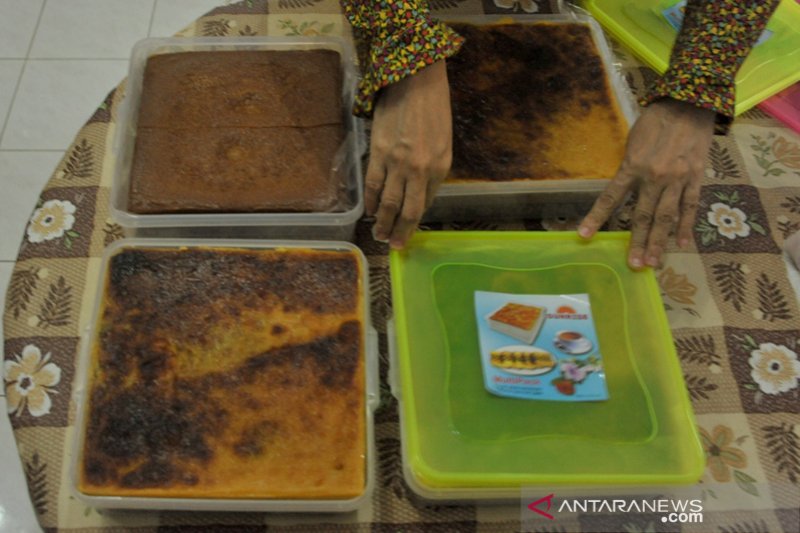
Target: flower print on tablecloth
(776, 155)
(686, 293)
(677, 288)
(53, 219)
(729, 221)
(731, 218)
(776, 369)
(29, 380)
(61, 223)
(766, 369)
(722, 457)
(726, 461)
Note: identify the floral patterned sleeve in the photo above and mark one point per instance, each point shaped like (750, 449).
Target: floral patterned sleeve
(713, 43)
(402, 38)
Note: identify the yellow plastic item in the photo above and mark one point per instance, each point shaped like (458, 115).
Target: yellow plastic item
(771, 66)
(460, 441)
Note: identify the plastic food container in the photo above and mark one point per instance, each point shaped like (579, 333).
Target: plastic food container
(548, 198)
(785, 106)
(233, 374)
(461, 442)
(771, 66)
(338, 225)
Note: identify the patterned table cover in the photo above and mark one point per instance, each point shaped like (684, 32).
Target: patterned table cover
(733, 315)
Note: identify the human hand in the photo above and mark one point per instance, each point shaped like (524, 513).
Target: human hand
(410, 152)
(664, 160)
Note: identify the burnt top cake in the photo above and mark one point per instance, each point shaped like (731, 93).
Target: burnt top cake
(532, 102)
(227, 373)
(239, 131)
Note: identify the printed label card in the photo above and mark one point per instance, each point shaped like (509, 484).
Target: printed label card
(539, 347)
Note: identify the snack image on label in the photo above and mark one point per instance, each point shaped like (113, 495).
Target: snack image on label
(523, 360)
(519, 321)
(561, 360)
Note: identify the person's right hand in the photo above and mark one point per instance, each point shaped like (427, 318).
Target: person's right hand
(410, 152)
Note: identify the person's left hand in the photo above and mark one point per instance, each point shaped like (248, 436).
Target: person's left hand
(664, 160)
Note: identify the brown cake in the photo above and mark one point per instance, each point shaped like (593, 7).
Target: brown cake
(235, 170)
(531, 102)
(249, 89)
(239, 131)
(227, 373)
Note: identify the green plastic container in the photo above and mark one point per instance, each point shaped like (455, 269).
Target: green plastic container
(461, 442)
(771, 66)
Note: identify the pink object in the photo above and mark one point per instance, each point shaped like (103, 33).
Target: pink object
(785, 106)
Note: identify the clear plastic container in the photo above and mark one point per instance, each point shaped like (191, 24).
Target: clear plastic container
(371, 390)
(461, 442)
(548, 198)
(339, 225)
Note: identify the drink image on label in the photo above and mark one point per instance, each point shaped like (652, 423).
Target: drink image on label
(572, 342)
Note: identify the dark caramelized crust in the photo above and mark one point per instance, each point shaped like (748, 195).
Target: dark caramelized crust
(247, 89)
(239, 131)
(532, 101)
(236, 170)
(226, 373)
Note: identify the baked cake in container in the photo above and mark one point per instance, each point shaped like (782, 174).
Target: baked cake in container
(532, 101)
(238, 132)
(227, 373)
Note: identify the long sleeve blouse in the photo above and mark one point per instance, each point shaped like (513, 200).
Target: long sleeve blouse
(716, 36)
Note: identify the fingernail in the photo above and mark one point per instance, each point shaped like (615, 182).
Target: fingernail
(396, 245)
(379, 236)
(636, 262)
(652, 261)
(584, 232)
(683, 243)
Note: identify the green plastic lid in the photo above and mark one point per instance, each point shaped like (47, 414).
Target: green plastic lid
(459, 436)
(771, 66)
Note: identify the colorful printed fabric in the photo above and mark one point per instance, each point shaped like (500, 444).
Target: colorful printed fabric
(714, 41)
(402, 38)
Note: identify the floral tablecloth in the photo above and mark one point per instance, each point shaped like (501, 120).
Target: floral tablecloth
(732, 311)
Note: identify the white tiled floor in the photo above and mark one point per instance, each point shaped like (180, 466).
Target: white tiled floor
(58, 60)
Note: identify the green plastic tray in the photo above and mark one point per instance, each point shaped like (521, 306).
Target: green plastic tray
(771, 66)
(458, 439)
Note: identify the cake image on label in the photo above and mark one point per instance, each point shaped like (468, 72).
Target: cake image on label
(519, 321)
(227, 373)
